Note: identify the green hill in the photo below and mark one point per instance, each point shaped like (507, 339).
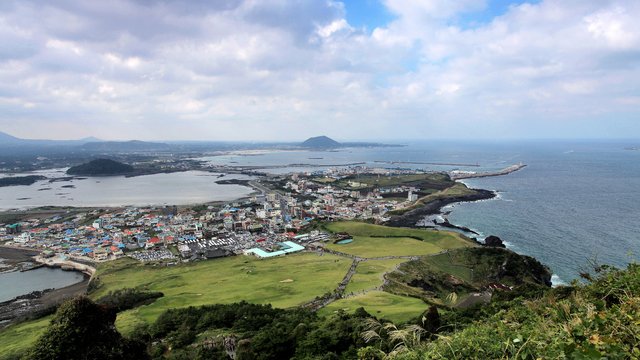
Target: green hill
(101, 167)
(320, 142)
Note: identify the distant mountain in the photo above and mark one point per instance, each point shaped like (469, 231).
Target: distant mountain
(320, 142)
(6, 138)
(90, 139)
(124, 146)
(101, 167)
(10, 140)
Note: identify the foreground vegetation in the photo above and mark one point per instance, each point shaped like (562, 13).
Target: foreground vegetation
(594, 321)
(597, 321)
(467, 273)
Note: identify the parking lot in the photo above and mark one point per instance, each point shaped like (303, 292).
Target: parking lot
(152, 255)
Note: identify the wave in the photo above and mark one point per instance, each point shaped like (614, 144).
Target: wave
(556, 281)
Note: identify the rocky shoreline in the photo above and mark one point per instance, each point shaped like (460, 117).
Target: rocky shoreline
(36, 303)
(412, 217)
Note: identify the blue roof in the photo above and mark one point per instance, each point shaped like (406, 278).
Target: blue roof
(288, 247)
(87, 250)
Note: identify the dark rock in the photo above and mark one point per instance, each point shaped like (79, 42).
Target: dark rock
(494, 241)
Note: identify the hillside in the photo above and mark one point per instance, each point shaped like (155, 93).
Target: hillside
(101, 167)
(594, 321)
(320, 142)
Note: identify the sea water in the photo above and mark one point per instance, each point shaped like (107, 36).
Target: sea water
(17, 283)
(576, 203)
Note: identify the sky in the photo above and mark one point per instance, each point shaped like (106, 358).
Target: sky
(278, 70)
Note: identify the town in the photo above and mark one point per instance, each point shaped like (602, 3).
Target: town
(276, 220)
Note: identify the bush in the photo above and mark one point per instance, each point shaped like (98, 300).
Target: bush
(125, 299)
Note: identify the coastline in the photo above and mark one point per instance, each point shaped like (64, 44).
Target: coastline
(39, 302)
(14, 254)
(412, 217)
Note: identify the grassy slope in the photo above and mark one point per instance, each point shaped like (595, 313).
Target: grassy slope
(597, 321)
(381, 305)
(225, 281)
(463, 271)
(17, 338)
(387, 241)
(390, 241)
(218, 281)
(369, 274)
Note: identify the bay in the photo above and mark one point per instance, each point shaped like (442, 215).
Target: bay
(181, 188)
(17, 283)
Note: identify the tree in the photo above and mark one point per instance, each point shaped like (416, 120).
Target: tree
(81, 329)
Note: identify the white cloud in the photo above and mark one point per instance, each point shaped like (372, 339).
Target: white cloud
(279, 69)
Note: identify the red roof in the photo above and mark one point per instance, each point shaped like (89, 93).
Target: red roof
(154, 240)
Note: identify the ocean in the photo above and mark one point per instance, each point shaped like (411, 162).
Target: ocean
(575, 204)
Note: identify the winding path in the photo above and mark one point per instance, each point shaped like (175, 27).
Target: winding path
(338, 292)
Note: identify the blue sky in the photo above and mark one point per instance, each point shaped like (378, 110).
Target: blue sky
(288, 70)
(369, 14)
(373, 13)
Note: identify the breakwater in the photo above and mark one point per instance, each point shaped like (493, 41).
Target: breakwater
(66, 264)
(459, 175)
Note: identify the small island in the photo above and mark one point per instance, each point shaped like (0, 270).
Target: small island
(101, 167)
(20, 180)
(320, 142)
(327, 143)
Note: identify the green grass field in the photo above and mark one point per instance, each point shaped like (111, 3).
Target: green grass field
(16, 339)
(369, 274)
(283, 282)
(225, 280)
(450, 264)
(376, 240)
(381, 305)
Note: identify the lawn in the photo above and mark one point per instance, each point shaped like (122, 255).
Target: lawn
(369, 274)
(283, 282)
(18, 338)
(452, 264)
(376, 240)
(381, 305)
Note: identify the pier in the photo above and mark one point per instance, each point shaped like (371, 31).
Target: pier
(69, 265)
(457, 175)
